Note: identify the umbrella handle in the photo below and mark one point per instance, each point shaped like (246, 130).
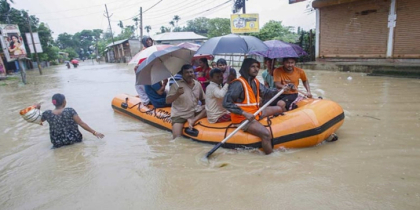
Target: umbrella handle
(174, 80)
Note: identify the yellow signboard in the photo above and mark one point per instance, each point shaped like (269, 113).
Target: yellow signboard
(244, 23)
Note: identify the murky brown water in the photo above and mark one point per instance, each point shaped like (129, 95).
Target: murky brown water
(374, 165)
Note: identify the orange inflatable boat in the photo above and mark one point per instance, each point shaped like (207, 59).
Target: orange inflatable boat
(314, 121)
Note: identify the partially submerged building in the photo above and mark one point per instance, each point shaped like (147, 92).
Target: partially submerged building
(122, 51)
(349, 30)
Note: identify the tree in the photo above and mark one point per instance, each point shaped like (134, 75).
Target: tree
(218, 27)
(50, 52)
(148, 28)
(177, 29)
(275, 30)
(72, 53)
(176, 19)
(65, 40)
(172, 23)
(136, 21)
(126, 33)
(198, 25)
(121, 25)
(163, 29)
(4, 10)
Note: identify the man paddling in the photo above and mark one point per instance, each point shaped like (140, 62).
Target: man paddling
(242, 100)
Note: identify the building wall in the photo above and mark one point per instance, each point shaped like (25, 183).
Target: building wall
(355, 30)
(135, 46)
(407, 31)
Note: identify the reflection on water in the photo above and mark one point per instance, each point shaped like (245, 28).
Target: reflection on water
(136, 166)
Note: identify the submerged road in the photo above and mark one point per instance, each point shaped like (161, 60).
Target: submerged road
(373, 165)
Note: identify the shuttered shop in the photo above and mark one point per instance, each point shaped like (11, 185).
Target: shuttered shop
(407, 31)
(354, 30)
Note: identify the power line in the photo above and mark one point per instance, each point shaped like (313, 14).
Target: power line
(196, 14)
(81, 8)
(143, 12)
(180, 8)
(152, 6)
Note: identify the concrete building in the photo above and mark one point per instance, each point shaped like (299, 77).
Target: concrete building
(368, 30)
(175, 38)
(122, 51)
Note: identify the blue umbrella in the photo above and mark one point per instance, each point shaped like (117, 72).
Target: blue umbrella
(230, 44)
(162, 64)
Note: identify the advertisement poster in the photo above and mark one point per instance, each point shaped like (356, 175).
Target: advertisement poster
(36, 40)
(12, 42)
(2, 68)
(244, 23)
(295, 1)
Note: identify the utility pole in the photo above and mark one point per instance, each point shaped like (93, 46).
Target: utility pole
(33, 44)
(109, 22)
(243, 8)
(141, 24)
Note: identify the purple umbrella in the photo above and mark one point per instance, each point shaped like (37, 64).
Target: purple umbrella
(280, 49)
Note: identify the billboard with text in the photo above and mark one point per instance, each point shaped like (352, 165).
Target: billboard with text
(244, 23)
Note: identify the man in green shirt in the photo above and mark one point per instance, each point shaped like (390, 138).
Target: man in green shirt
(267, 75)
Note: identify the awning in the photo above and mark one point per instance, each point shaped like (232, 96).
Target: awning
(117, 43)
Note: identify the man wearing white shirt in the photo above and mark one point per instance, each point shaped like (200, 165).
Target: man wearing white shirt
(214, 97)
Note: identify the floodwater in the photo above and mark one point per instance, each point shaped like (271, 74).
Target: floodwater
(373, 165)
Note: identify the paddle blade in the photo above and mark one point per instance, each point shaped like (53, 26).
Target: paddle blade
(214, 149)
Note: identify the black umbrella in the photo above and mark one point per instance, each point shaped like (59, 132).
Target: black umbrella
(230, 44)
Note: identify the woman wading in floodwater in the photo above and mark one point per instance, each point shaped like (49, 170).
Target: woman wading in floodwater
(64, 123)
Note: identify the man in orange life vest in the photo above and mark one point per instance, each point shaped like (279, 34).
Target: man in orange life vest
(243, 98)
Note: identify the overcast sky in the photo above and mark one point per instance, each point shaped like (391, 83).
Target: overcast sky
(72, 16)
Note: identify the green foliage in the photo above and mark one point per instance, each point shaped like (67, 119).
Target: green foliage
(218, 27)
(65, 40)
(148, 28)
(176, 19)
(126, 33)
(52, 52)
(121, 25)
(101, 46)
(274, 30)
(72, 53)
(307, 42)
(199, 26)
(164, 29)
(177, 29)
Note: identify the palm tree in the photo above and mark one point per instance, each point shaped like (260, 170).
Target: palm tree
(120, 24)
(176, 19)
(162, 29)
(172, 23)
(148, 28)
(136, 21)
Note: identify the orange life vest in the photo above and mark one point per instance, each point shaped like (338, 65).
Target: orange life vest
(250, 103)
